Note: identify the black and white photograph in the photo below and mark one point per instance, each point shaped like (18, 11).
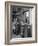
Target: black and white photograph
(20, 22)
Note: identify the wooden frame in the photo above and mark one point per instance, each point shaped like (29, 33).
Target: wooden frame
(8, 20)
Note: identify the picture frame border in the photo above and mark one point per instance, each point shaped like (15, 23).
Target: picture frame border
(7, 22)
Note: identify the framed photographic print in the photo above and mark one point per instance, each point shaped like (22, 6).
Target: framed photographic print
(20, 22)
